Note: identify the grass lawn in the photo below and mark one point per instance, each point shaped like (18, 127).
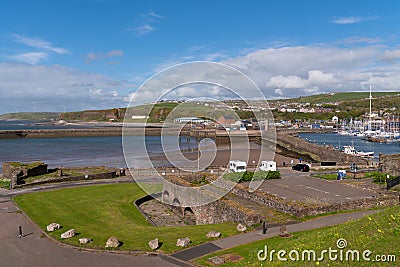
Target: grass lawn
(102, 211)
(378, 233)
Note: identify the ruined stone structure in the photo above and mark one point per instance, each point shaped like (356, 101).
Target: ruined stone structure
(223, 210)
(390, 164)
(23, 170)
(16, 171)
(226, 210)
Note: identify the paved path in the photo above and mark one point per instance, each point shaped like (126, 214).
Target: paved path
(233, 241)
(33, 249)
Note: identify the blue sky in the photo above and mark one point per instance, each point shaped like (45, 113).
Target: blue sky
(91, 54)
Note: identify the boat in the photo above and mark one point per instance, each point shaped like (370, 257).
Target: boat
(350, 150)
(377, 139)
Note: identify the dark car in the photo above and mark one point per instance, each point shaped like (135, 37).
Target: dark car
(301, 167)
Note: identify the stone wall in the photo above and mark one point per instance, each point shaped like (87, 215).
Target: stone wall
(303, 209)
(105, 175)
(23, 170)
(17, 171)
(224, 210)
(390, 164)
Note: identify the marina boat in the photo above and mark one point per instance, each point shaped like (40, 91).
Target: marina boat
(352, 151)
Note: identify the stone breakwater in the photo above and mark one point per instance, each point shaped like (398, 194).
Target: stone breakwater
(48, 133)
(287, 143)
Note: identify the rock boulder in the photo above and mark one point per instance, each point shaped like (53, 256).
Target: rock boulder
(154, 244)
(216, 260)
(68, 234)
(213, 234)
(84, 240)
(52, 227)
(112, 242)
(183, 242)
(241, 228)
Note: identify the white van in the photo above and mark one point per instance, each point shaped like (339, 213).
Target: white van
(268, 165)
(237, 166)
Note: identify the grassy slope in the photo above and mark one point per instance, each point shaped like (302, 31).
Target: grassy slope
(29, 116)
(379, 233)
(338, 97)
(102, 211)
(192, 109)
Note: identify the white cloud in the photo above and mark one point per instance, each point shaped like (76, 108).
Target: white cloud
(145, 23)
(317, 77)
(197, 80)
(115, 53)
(154, 15)
(31, 58)
(352, 19)
(391, 55)
(96, 56)
(38, 43)
(301, 70)
(92, 56)
(27, 87)
(288, 82)
(279, 92)
(347, 20)
(141, 30)
(360, 40)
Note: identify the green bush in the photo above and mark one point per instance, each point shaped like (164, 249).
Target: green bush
(5, 183)
(377, 177)
(248, 176)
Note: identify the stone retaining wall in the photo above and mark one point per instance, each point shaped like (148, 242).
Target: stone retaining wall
(305, 209)
(225, 210)
(390, 164)
(105, 175)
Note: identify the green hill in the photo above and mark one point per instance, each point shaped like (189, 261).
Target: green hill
(34, 116)
(351, 104)
(337, 97)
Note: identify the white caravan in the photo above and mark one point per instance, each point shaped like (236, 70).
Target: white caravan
(237, 166)
(268, 165)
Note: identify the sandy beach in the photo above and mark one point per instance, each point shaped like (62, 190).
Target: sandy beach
(222, 155)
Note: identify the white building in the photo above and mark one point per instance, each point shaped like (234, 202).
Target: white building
(189, 119)
(139, 117)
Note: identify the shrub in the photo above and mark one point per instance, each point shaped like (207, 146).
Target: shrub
(377, 177)
(5, 183)
(248, 176)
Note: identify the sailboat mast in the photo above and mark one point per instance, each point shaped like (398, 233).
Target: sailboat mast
(370, 107)
(370, 101)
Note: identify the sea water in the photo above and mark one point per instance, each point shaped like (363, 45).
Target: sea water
(82, 151)
(338, 141)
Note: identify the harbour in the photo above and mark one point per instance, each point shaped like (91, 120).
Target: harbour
(337, 141)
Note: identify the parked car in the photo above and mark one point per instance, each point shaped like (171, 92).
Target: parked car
(301, 167)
